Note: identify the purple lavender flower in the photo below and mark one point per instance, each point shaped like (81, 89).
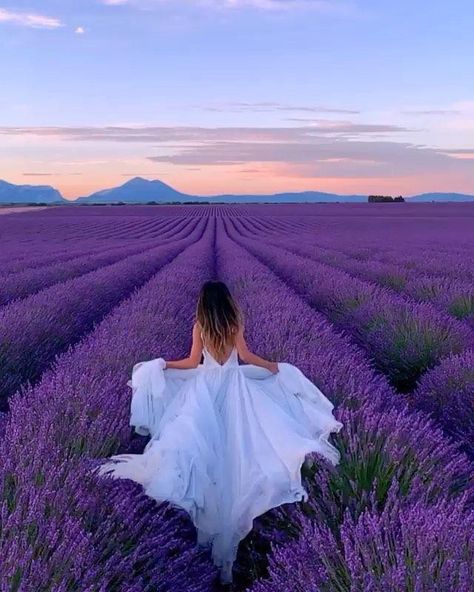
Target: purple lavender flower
(428, 548)
(447, 393)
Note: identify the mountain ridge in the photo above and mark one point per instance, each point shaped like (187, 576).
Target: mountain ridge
(139, 190)
(440, 196)
(135, 189)
(14, 194)
(165, 192)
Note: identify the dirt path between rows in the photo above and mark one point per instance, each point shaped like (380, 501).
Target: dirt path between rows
(21, 209)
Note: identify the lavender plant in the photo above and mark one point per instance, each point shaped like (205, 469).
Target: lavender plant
(446, 393)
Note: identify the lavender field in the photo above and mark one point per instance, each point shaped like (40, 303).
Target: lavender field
(374, 302)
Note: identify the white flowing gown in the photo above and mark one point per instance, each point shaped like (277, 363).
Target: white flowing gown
(227, 443)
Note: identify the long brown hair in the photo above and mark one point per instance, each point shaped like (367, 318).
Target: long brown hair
(218, 316)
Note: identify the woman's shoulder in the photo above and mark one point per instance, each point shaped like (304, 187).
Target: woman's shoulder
(238, 329)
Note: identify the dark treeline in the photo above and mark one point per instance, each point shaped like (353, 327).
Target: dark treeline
(384, 198)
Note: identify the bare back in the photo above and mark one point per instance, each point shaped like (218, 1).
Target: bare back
(222, 357)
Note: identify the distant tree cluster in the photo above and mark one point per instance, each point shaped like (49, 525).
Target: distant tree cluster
(30, 204)
(384, 198)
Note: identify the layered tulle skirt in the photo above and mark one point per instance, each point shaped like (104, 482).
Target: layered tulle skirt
(227, 444)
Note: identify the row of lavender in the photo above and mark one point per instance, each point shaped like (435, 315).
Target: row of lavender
(61, 529)
(445, 281)
(413, 343)
(371, 243)
(34, 240)
(404, 337)
(447, 292)
(41, 274)
(57, 242)
(430, 246)
(34, 330)
(399, 503)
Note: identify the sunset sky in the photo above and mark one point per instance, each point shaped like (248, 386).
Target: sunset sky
(249, 96)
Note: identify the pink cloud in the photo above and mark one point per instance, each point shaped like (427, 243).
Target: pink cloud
(332, 156)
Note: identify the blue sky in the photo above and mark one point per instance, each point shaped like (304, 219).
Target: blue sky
(238, 95)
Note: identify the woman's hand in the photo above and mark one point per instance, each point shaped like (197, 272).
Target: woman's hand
(273, 367)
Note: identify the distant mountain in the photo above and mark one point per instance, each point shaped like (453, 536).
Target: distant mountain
(13, 194)
(139, 190)
(301, 197)
(441, 197)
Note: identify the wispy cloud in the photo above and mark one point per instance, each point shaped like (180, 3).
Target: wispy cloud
(79, 31)
(324, 156)
(461, 153)
(323, 6)
(275, 5)
(349, 128)
(432, 112)
(316, 157)
(269, 106)
(329, 149)
(29, 19)
(51, 174)
(135, 174)
(165, 135)
(37, 174)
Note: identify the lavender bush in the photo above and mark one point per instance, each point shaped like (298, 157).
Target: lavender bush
(447, 393)
(401, 549)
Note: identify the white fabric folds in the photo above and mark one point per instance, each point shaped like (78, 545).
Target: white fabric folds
(227, 443)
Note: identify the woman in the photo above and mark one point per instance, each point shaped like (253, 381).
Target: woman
(227, 440)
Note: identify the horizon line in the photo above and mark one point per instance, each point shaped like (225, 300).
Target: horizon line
(221, 194)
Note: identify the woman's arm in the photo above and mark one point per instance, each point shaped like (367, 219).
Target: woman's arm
(192, 361)
(250, 358)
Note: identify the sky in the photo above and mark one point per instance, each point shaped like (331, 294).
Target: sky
(248, 96)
